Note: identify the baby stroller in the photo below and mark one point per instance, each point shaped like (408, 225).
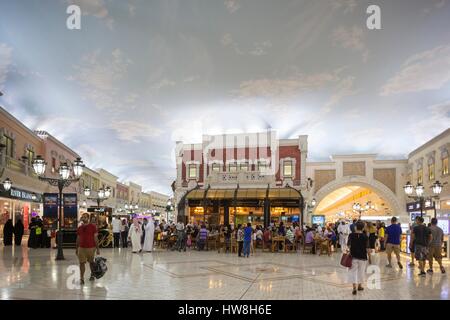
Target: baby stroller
(99, 267)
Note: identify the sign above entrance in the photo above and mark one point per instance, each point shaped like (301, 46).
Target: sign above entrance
(415, 206)
(24, 195)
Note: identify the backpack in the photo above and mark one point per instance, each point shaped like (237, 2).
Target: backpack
(99, 267)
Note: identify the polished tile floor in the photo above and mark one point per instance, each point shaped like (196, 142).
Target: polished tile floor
(34, 274)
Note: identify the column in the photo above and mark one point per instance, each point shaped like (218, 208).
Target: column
(266, 212)
(226, 212)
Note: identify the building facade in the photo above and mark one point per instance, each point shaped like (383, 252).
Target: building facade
(122, 196)
(426, 164)
(108, 180)
(18, 147)
(237, 178)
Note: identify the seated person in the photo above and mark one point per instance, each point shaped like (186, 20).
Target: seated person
(289, 236)
(309, 239)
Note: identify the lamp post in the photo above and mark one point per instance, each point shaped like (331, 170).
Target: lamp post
(7, 184)
(102, 194)
(169, 209)
(419, 190)
(357, 207)
(62, 182)
(131, 208)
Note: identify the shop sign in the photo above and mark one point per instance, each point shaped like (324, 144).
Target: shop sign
(415, 206)
(100, 209)
(24, 195)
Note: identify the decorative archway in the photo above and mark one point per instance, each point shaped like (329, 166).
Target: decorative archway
(374, 185)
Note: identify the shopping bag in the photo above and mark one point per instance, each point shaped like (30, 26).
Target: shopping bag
(346, 260)
(99, 267)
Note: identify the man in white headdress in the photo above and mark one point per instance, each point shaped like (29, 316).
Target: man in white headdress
(343, 231)
(149, 227)
(134, 234)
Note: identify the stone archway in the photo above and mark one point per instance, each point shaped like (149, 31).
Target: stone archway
(374, 185)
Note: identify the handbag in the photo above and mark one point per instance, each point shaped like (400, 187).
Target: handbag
(346, 260)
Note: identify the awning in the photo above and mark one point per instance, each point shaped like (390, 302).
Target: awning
(244, 193)
(196, 194)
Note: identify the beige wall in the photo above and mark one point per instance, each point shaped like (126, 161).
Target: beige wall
(431, 152)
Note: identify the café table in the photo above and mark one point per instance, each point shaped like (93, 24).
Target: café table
(275, 243)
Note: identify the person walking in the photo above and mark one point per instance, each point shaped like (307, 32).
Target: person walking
(149, 227)
(240, 239)
(86, 246)
(435, 248)
(421, 237)
(39, 231)
(371, 232)
(134, 235)
(8, 231)
(343, 232)
(116, 229)
(411, 243)
(18, 232)
(248, 231)
(357, 246)
(32, 239)
(392, 237)
(202, 237)
(124, 233)
(382, 236)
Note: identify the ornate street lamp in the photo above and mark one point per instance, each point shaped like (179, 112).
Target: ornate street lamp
(437, 188)
(7, 184)
(409, 188)
(102, 194)
(39, 165)
(62, 182)
(419, 190)
(313, 202)
(424, 201)
(107, 192)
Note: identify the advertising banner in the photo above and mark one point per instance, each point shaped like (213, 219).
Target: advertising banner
(70, 205)
(51, 205)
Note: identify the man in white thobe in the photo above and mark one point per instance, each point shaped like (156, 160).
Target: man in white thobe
(343, 231)
(149, 227)
(134, 234)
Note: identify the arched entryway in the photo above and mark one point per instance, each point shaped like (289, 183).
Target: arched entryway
(335, 200)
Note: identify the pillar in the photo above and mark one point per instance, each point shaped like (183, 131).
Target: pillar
(266, 212)
(226, 212)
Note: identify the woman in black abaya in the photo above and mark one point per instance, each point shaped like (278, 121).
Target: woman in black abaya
(8, 231)
(32, 240)
(18, 232)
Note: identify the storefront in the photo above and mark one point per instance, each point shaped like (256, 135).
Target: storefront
(241, 206)
(20, 204)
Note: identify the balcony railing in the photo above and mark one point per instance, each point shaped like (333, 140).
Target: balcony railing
(239, 177)
(17, 166)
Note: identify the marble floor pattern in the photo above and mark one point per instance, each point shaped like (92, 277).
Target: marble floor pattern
(192, 275)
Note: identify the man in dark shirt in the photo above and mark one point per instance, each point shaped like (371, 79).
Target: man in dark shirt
(352, 226)
(421, 237)
(392, 236)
